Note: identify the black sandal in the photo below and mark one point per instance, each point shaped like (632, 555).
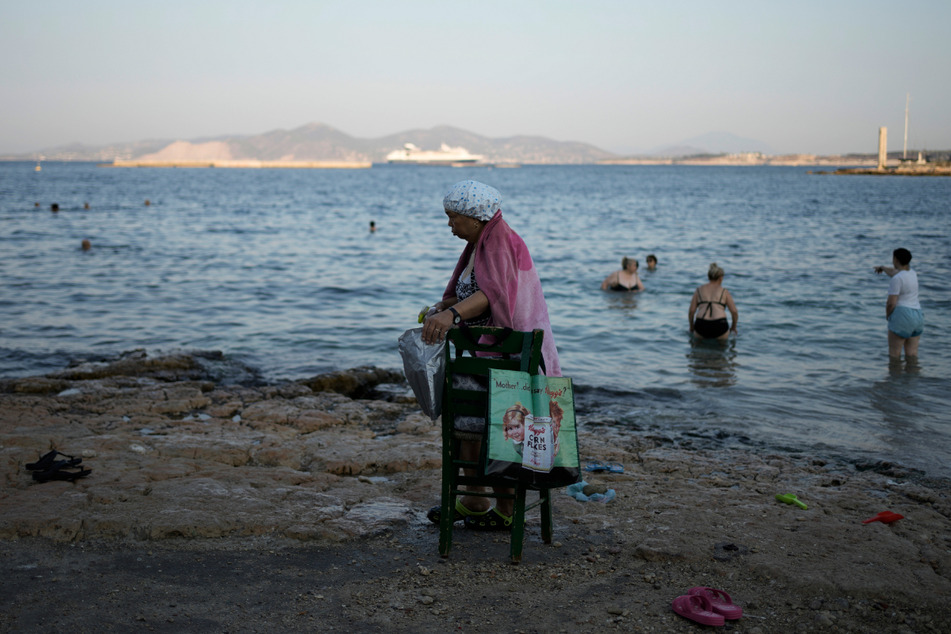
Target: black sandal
(490, 521)
(61, 470)
(47, 462)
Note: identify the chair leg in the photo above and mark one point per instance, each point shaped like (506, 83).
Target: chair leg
(445, 527)
(518, 524)
(447, 503)
(546, 511)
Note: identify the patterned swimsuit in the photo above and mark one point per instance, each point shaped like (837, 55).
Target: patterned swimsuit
(467, 287)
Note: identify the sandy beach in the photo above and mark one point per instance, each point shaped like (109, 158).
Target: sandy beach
(302, 505)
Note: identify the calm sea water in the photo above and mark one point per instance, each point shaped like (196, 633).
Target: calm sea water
(277, 269)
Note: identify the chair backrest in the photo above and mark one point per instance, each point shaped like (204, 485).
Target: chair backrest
(474, 350)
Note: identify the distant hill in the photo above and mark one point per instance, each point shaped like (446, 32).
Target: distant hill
(320, 142)
(713, 143)
(80, 152)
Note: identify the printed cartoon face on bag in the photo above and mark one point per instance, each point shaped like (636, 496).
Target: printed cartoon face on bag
(513, 423)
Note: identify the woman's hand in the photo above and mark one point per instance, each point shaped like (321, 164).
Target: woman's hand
(891, 303)
(436, 326)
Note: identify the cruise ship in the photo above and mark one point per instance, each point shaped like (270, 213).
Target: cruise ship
(445, 155)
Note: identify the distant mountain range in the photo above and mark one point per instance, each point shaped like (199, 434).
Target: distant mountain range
(320, 142)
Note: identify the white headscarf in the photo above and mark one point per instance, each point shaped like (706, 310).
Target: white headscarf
(474, 199)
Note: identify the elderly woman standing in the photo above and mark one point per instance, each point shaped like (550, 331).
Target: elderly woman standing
(708, 306)
(495, 284)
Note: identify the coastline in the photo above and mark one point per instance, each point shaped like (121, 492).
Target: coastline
(310, 497)
(244, 164)
(926, 169)
(747, 159)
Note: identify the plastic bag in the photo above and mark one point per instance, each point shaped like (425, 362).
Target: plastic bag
(425, 369)
(577, 492)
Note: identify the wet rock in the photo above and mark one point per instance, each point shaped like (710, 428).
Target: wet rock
(34, 385)
(890, 469)
(136, 363)
(208, 366)
(355, 383)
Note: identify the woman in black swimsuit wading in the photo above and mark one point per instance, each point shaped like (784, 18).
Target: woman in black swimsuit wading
(708, 306)
(626, 279)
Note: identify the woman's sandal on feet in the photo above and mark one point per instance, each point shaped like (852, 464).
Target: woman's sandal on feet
(460, 513)
(491, 520)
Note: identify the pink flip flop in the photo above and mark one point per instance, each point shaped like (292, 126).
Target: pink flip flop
(885, 517)
(697, 608)
(719, 600)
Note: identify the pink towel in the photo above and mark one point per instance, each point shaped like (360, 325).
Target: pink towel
(507, 276)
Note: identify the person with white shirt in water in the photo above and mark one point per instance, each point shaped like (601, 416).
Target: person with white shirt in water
(906, 322)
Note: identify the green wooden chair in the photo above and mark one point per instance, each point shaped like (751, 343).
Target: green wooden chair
(512, 350)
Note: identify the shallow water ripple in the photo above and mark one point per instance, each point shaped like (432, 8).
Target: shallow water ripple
(277, 269)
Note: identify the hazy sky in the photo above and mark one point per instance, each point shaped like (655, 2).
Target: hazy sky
(623, 75)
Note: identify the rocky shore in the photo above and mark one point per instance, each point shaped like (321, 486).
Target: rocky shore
(214, 506)
(927, 169)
